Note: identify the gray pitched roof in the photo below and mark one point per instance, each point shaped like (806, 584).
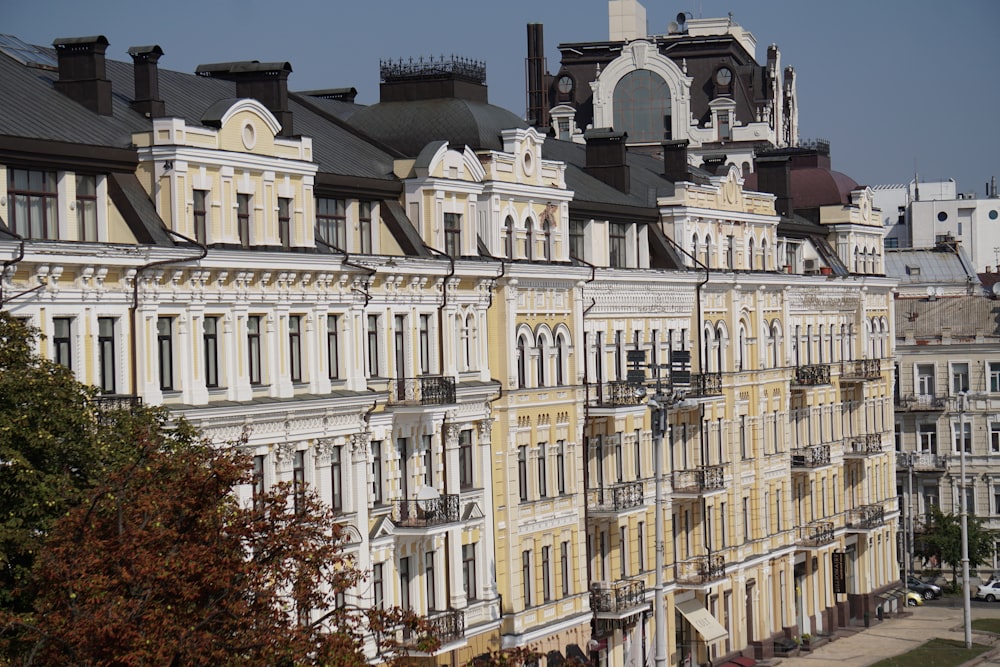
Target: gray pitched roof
(914, 267)
(962, 316)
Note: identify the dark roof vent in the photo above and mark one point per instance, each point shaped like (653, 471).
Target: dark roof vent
(265, 82)
(675, 160)
(335, 94)
(774, 175)
(606, 157)
(82, 75)
(147, 81)
(452, 78)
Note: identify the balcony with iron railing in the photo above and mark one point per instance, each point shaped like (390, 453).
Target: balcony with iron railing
(699, 482)
(616, 398)
(861, 446)
(865, 518)
(424, 390)
(921, 403)
(816, 534)
(700, 570)
(860, 370)
(811, 375)
(921, 461)
(705, 385)
(426, 513)
(106, 404)
(447, 627)
(617, 498)
(813, 456)
(618, 599)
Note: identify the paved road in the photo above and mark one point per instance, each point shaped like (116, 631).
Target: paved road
(898, 635)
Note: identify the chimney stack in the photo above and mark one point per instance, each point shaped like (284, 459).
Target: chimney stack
(774, 175)
(265, 82)
(675, 160)
(538, 111)
(606, 157)
(147, 81)
(82, 75)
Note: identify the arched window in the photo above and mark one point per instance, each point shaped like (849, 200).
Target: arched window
(694, 245)
(857, 260)
(741, 359)
(775, 352)
(720, 352)
(560, 360)
(508, 236)
(642, 106)
(750, 257)
(547, 253)
(529, 248)
(540, 362)
(796, 343)
(763, 254)
(470, 343)
(708, 251)
(522, 362)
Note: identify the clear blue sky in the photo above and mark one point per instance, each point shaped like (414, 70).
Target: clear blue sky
(895, 85)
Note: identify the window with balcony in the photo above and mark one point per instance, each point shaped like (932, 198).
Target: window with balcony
(86, 207)
(254, 351)
(424, 343)
(429, 583)
(210, 344)
(959, 378)
(469, 581)
(106, 354)
(377, 481)
(331, 222)
(33, 203)
(285, 222)
(165, 351)
(199, 215)
(428, 446)
(925, 380)
(243, 214)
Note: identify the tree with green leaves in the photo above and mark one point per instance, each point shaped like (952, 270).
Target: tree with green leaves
(942, 539)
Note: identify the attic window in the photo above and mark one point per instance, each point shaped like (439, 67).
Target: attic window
(913, 270)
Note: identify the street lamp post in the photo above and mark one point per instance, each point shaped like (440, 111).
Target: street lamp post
(966, 600)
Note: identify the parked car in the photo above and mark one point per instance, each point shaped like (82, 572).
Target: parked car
(928, 590)
(989, 591)
(914, 599)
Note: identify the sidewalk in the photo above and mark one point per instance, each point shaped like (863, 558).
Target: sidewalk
(898, 635)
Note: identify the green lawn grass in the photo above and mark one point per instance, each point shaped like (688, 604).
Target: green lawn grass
(936, 653)
(987, 624)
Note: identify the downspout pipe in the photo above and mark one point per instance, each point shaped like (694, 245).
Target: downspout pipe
(697, 296)
(444, 300)
(12, 262)
(202, 253)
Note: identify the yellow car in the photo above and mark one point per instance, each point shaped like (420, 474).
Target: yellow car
(914, 599)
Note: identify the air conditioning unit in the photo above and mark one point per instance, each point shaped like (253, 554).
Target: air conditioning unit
(810, 266)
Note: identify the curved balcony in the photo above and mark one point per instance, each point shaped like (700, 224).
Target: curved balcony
(618, 600)
(814, 456)
(816, 534)
(811, 375)
(615, 499)
(862, 446)
(426, 513)
(865, 518)
(700, 570)
(615, 399)
(703, 481)
(424, 390)
(705, 385)
(447, 626)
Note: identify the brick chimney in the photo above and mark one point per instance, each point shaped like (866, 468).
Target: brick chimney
(147, 81)
(675, 160)
(82, 75)
(265, 82)
(606, 157)
(774, 175)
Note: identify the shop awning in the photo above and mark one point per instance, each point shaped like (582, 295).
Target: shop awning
(702, 621)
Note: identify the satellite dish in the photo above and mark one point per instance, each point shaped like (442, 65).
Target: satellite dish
(996, 289)
(427, 493)
(673, 28)
(939, 291)
(930, 290)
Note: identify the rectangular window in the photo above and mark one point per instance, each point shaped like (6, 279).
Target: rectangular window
(469, 571)
(546, 574)
(285, 222)
(210, 339)
(564, 568)
(295, 347)
(994, 437)
(428, 460)
(429, 583)
(199, 214)
(957, 429)
(453, 234)
(959, 378)
(106, 353)
(86, 207)
(424, 343)
(373, 367)
(333, 346)
(465, 472)
(526, 576)
(378, 585)
(365, 227)
(336, 480)
(640, 543)
(377, 472)
(522, 472)
(927, 438)
(404, 583)
(994, 371)
(576, 239)
(637, 453)
(254, 369)
(623, 551)
(331, 222)
(616, 245)
(165, 351)
(33, 203)
(299, 480)
(243, 219)
(258, 482)
(542, 472)
(561, 467)
(62, 341)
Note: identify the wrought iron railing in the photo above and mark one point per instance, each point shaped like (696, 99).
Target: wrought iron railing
(621, 596)
(705, 384)
(921, 461)
(816, 534)
(700, 570)
(811, 457)
(864, 445)
(446, 626)
(812, 375)
(921, 403)
(424, 390)
(106, 404)
(426, 513)
(616, 498)
(866, 516)
(618, 393)
(861, 369)
(700, 480)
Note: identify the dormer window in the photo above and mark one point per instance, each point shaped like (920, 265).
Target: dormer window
(453, 234)
(33, 203)
(86, 207)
